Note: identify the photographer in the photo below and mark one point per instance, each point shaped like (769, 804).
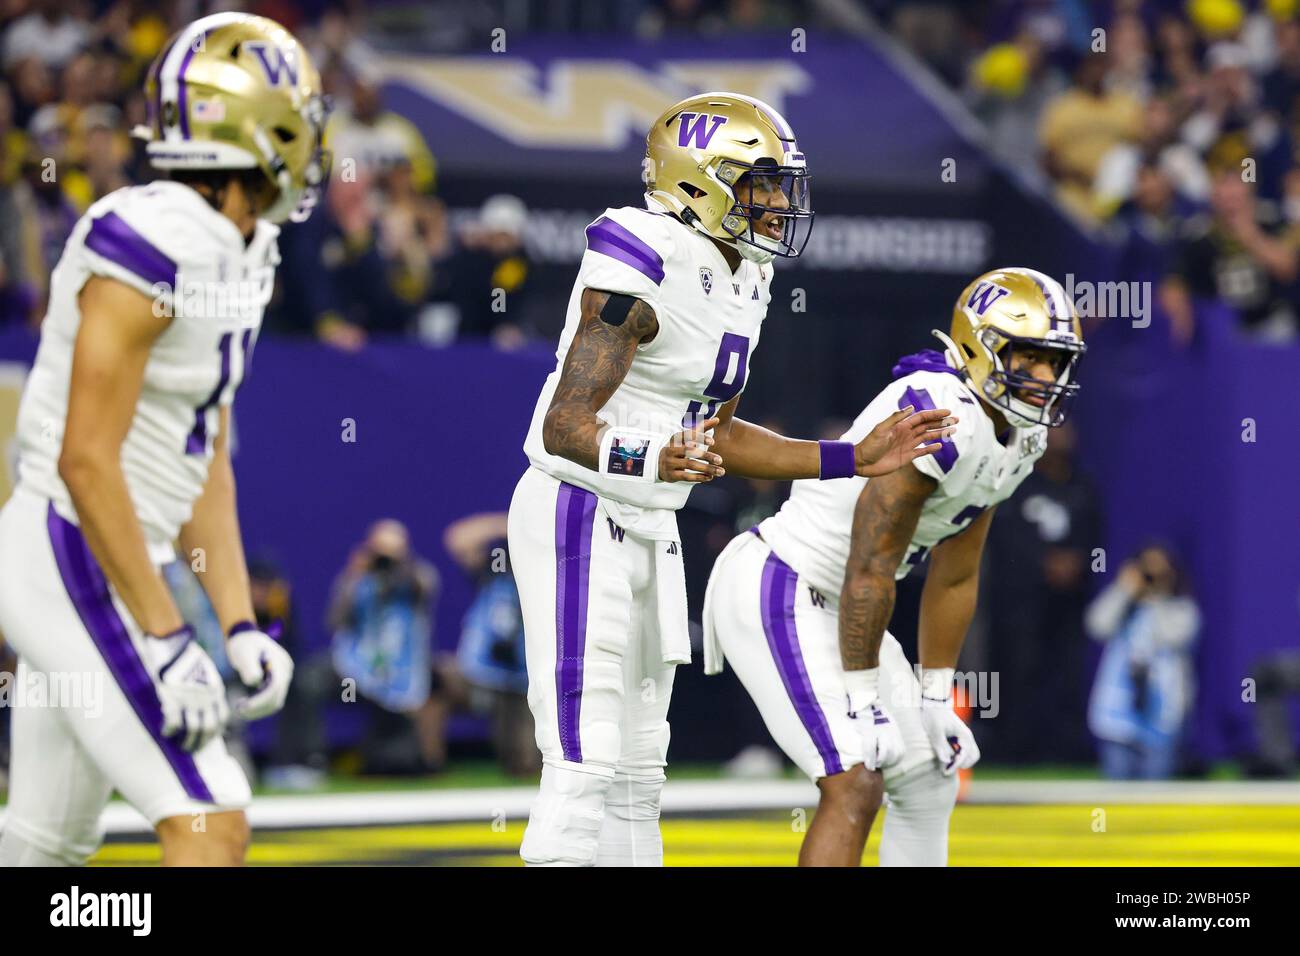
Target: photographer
(380, 616)
(1144, 684)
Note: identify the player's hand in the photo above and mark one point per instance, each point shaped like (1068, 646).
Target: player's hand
(264, 667)
(951, 739)
(902, 437)
(686, 457)
(882, 741)
(190, 689)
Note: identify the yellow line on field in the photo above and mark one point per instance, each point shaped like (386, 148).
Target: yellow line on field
(981, 835)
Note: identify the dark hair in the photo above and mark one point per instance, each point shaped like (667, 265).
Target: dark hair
(211, 184)
(1180, 585)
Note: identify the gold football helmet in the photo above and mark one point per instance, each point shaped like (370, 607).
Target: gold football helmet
(236, 91)
(706, 155)
(1004, 310)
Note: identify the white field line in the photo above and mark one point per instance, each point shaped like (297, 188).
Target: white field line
(696, 796)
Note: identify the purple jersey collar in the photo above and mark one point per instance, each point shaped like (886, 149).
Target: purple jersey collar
(927, 360)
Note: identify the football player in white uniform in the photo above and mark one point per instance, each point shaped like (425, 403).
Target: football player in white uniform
(124, 451)
(666, 310)
(799, 604)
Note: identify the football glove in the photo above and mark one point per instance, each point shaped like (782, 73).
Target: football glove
(189, 686)
(263, 666)
(882, 741)
(952, 740)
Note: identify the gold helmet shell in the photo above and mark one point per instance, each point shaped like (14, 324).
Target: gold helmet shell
(702, 156)
(1016, 308)
(237, 91)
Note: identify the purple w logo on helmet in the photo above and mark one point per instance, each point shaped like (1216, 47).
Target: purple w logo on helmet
(283, 63)
(987, 293)
(697, 127)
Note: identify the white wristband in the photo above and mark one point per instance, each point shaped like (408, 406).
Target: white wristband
(936, 685)
(863, 687)
(629, 454)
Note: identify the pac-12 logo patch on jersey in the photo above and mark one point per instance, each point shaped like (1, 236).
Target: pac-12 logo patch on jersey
(706, 279)
(1033, 443)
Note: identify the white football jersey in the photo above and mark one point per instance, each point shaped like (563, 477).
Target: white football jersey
(709, 322)
(166, 241)
(975, 471)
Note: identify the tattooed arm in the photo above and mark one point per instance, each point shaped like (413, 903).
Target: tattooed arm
(948, 598)
(883, 524)
(598, 359)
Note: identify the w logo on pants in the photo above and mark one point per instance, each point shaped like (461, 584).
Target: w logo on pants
(615, 532)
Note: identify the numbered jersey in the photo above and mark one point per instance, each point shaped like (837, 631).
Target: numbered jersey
(709, 321)
(166, 241)
(974, 470)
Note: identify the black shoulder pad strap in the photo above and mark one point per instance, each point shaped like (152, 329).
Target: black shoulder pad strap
(616, 308)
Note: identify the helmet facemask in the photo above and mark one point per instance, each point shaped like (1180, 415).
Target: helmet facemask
(295, 202)
(1007, 389)
(753, 187)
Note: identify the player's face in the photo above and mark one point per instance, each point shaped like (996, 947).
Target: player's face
(1042, 365)
(767, 191)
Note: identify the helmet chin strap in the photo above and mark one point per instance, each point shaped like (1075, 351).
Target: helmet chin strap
(753, 253)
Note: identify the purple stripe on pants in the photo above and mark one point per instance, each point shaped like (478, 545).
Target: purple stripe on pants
(575, 515)
(88, 589)
(776, 597)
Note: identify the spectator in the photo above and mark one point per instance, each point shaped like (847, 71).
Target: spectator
(380, 657)
(1144, 684)
(1245, 255)
(1080, 126)
(375, 140)
(335, 279)
(52, 34)
(1158, 146)
(1277, 683)
(489, 273)
(381, 619)
(1230, 125)
(490, 656)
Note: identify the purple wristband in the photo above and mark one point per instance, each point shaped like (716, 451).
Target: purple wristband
(838, 459)
(240, 628)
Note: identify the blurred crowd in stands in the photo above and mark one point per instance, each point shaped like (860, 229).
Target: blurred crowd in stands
(1170, 126)
(378, 257)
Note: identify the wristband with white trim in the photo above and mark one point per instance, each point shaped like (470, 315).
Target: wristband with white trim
(629, 454)
(936, 686)
(863, 687)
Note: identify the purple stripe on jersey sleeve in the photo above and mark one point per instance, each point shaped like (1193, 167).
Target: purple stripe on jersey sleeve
(610, 239)
(88, 590)
(920, 400)
(575, 516)
(776, 595)
(112, 238)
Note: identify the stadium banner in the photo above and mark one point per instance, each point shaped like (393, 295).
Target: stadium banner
(567, 109)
